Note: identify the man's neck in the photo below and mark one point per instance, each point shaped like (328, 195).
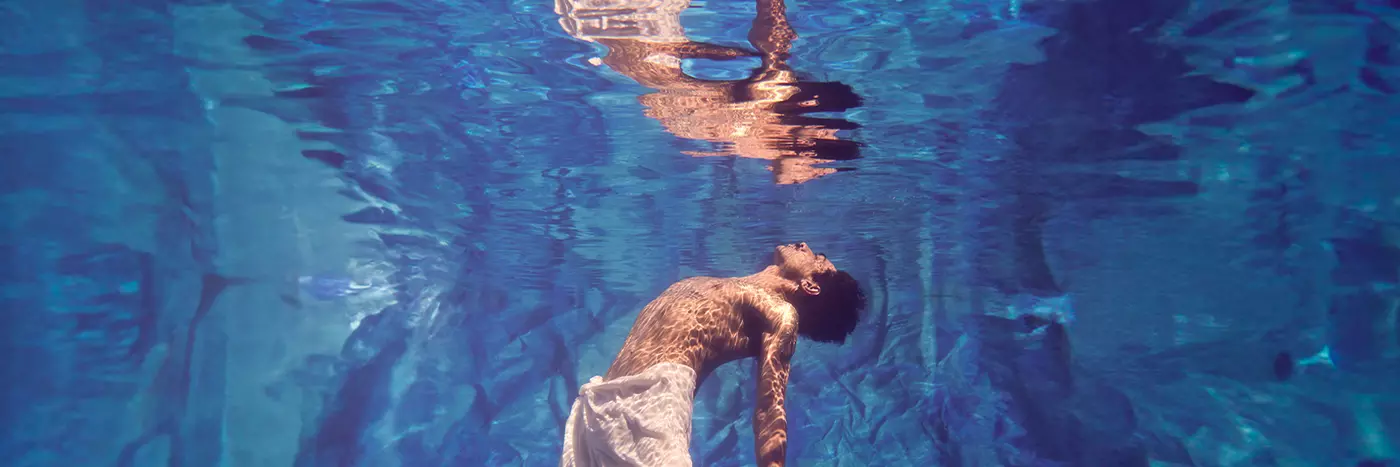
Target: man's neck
(769, 280)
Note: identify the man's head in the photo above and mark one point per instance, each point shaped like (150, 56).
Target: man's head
(815, 137)
(828, 301)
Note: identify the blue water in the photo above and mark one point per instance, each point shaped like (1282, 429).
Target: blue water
(402, 233)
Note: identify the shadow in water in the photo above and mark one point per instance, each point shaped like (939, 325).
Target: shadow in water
(1074, 119)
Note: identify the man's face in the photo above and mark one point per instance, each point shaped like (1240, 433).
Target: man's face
(797, 262)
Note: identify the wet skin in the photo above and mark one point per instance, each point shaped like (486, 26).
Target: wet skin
(704, 322)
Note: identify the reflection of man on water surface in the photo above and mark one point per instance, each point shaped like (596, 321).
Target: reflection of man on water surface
(758, 117)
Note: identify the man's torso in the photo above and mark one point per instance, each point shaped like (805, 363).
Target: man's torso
(700, 322)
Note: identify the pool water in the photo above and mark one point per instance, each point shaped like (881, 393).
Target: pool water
(403, 233)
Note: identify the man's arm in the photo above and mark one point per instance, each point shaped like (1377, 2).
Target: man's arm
(708, 51)
(774, 364)
(771, 34)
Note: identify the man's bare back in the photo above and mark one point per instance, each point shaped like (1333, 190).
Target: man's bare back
(703, 322)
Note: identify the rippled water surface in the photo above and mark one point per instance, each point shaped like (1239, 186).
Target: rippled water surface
(402, 233)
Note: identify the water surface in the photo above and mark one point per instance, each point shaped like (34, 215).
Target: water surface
(402, 233)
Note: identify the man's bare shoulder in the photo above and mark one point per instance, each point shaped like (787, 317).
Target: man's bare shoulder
(729, 292)
(712, 287)
(691, 289)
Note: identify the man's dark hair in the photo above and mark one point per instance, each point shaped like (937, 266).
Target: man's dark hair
(829, 96)
(832, 315)
(819, 97)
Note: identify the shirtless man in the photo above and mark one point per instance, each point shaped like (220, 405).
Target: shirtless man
(639, 413)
